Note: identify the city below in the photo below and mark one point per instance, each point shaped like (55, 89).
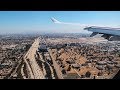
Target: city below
(58, 56)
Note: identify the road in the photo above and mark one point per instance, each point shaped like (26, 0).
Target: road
(56, 66)
(33, 68)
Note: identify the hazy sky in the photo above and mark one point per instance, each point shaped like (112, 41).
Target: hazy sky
(39, 21)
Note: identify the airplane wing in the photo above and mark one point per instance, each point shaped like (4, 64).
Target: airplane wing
(106, 31)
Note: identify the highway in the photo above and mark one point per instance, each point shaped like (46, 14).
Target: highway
(56, 66)
(33, 68)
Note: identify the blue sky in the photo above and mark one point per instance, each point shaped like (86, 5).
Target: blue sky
(39, 21)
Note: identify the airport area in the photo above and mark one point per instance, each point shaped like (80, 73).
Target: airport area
(58, 56)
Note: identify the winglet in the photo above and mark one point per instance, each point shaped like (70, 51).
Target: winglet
(54, 20)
